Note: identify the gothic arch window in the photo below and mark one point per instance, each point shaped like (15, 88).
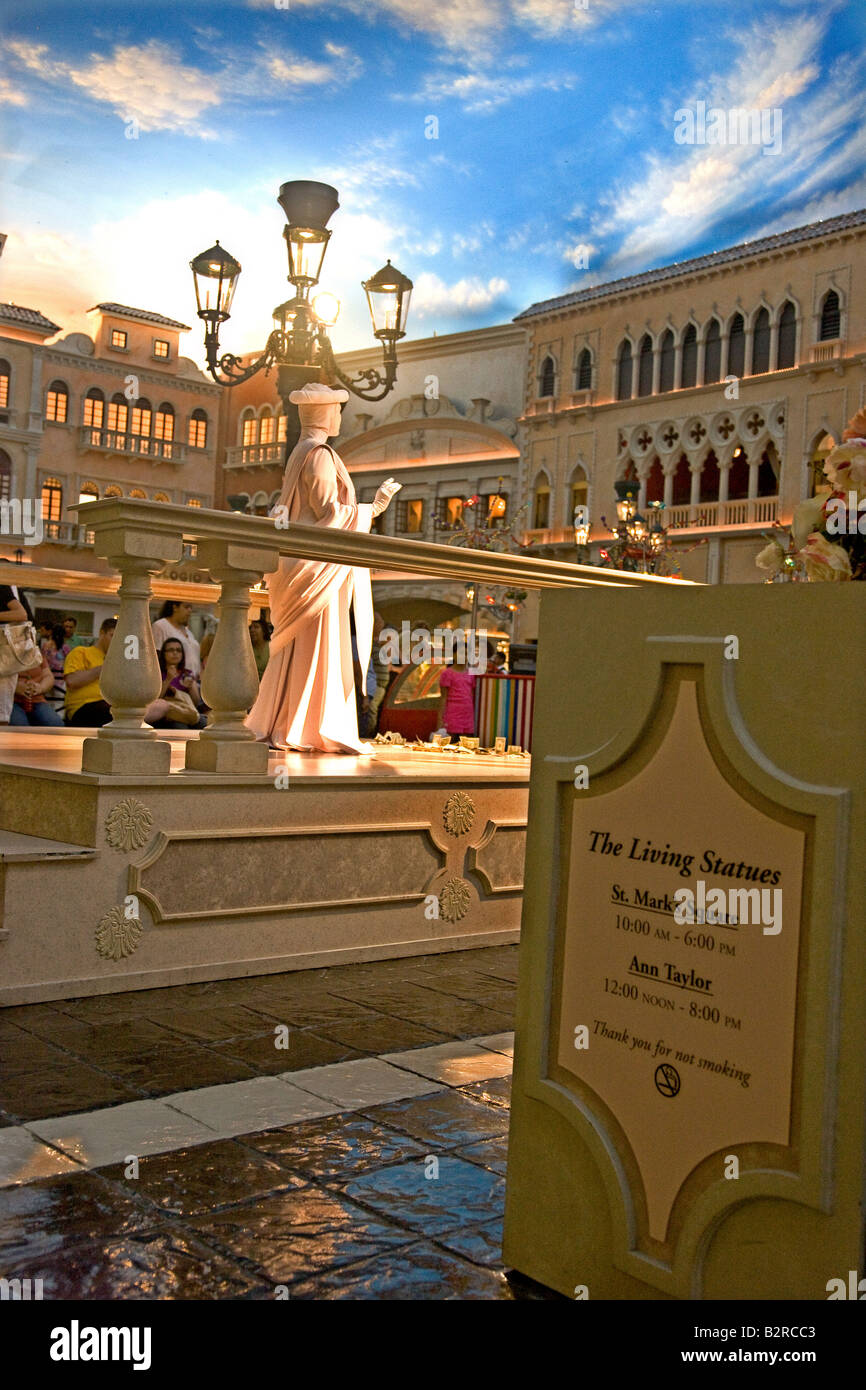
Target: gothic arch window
(197, 436)
(547, 377)
(768, 473)
(738, 476)
(681, 492)
(267, 426)
(831, 317)
(541, 503)
(655, 483)
(583, 371)
(117, 414)
(689, 374)
(737, 346)
(579, 492)
(249, 426)
(761, 343)
(645, 366)
(5, 378)
(713, 353)
(787, 345)
(57, 402)
(623, 371)
(5, 476)
(93, 409)
(668, 360)
(710, 479)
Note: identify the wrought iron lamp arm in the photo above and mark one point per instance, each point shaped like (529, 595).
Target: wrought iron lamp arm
(378, 385)
(228, 370)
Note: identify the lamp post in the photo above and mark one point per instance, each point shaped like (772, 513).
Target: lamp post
(641, 541)
(298, 345)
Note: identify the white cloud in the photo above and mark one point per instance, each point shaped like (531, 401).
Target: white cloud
(485, 91)
(11, 96)
(150, 84)
(679, 198)
(580, 254)
(467, 296)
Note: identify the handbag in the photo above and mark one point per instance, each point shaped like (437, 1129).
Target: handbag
(19, 649)
(181, 709)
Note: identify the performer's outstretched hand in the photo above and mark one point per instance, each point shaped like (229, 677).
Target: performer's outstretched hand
(386, 491)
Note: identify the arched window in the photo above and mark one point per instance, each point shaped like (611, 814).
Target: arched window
(163, 425)
(88, 492)
(623, 372)
(249, 429)
(57, 403)
(768, 473)
(655, 483)
(787, 345)
(141, 417)
(5, 476)
(710, 479)
(541, 504)
(682, 487)
(737, 346)
(645, 366)
(113, 491)
(281, 428)
(161, 497)
(761, 343)
(547, 377)
(138, 492)
(267, 427)
(689, 376)
(5, 378)
(579, 492)
(117, 415)
(831, 317)
(713, 353)
(738, 476)
(668, 358)
(583, 371)
(197, 437)
(52, 505)
(93, 410)
(819, 482)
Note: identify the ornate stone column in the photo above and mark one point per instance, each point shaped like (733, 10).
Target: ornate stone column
(695, 496)
(231, 683)
(657, 367)
(668, 470)
(130, 676)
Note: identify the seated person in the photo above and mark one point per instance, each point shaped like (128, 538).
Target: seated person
(30, 705)
(85, 707)
(179, 695)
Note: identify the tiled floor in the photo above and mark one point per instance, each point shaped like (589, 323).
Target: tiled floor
(338, 1133)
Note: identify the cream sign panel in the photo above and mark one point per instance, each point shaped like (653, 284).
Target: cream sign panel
(679, 965)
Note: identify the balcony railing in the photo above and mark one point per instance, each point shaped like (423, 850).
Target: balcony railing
(140, 538)
(751, 511)
(828, 351)
(68, 533)
(143, 445)
(255, 455)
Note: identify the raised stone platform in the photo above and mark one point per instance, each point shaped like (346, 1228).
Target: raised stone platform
(112, 883)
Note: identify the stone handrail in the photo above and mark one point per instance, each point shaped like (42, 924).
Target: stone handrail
(138, 538)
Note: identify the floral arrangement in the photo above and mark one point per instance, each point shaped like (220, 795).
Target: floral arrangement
(826, 541)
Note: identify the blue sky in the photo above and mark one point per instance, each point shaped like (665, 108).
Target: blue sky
(554, 164)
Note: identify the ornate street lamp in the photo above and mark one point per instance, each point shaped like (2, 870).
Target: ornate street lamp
(298, 345)
(641, 541)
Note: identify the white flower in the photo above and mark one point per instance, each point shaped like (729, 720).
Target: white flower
(771, 558)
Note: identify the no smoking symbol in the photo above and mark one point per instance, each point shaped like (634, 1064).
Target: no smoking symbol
(667, 1079)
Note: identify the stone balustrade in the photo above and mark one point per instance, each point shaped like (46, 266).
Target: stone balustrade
(138, 538)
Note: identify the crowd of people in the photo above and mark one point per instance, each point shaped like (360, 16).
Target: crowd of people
(63, 689)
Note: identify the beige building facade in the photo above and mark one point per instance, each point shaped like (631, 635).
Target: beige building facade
(717, 384)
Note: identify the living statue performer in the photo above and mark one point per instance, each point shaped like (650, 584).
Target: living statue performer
(307, 695)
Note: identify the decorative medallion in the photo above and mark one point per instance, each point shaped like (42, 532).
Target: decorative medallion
(128, 824)
(459, 814)
(117, 935)
(454, 900)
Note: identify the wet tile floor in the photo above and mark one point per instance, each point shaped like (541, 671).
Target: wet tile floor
(329, 1134)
